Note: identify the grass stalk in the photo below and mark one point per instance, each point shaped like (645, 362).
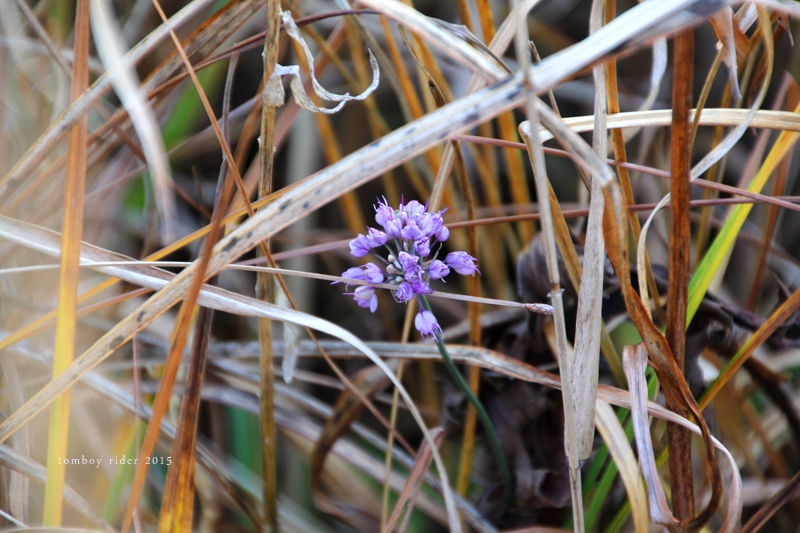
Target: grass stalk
(265, 283)
(679, 439)
(69, 274)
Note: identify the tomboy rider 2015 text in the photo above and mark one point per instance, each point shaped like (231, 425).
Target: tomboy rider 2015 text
(96, 462)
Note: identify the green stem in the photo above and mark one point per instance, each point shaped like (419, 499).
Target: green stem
(494, 442)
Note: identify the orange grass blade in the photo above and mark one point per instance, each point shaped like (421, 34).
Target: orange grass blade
(69, 274)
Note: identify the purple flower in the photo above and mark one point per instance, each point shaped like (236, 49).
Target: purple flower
(423, 247)
(412, 232)
(383, 212)
(376, 237)
(372, 273)
(351, 273)
(462, 263)
(431, 223)
(393, 227)
(420, 287)
(414, 273)
(404, 293)
(426, 324)
(413, 208)
(365, 297)
(442, 234)
(406, 236)
(438, 269)
(407, 261)
(360, 246)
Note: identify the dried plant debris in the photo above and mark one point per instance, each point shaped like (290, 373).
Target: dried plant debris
(274, 95)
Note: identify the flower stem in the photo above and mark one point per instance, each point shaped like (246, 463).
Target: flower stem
(494, 442)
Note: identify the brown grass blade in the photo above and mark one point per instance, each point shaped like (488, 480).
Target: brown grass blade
(177, 504)
(680, 445)
(69, 273)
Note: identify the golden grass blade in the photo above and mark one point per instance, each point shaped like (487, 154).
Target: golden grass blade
(110, 48)
(618, 138)
(474, 314)
(68, 275)
(614, 436)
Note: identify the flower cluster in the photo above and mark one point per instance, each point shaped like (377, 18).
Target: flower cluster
(409, 235)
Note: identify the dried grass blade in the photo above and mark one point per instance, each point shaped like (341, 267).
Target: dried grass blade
(634, 360)
(634, 369)
(763, 118)
(17, 499)
(177, 504)
(414, 482)
(675, 387)
(265, 283)
(562, 350)
(583, 367)
(679, 440)
(69, 274)
(460, 51)
(110, 48)
(732, 39)
(614, 436)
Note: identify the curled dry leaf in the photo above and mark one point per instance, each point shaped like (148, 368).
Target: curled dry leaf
(274, 95)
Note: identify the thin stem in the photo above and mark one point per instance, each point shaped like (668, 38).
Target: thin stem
(494, 442)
